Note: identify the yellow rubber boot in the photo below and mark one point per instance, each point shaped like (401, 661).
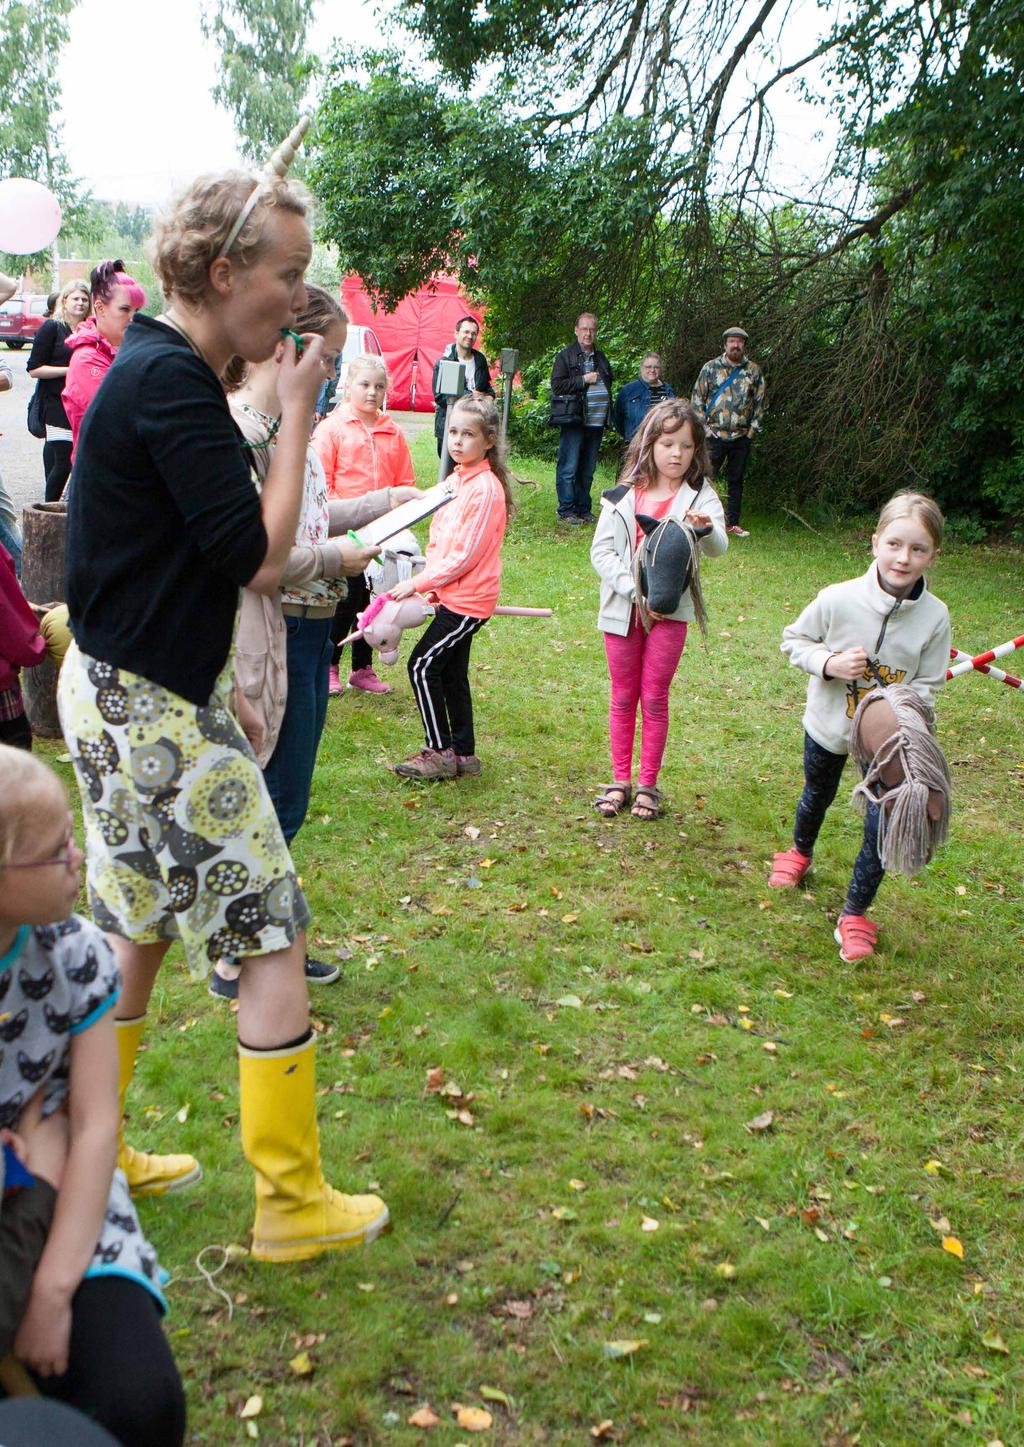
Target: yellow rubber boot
(147, 1175)
(298, 1215)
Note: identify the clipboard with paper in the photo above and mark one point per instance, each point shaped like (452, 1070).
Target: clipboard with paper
(406, 515)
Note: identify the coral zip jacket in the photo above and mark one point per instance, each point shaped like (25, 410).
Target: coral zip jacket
(91, 359)
(464, 552)
(358, 458)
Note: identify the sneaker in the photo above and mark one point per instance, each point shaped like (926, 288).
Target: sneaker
(367, 681)
(588, 519)
(334, 683)
(737, 531)
(856, 936)
(428, 764)
(572, 521)
(317, 973)
(788, 868)
(320, 973)
(468, 764)
(220, 988)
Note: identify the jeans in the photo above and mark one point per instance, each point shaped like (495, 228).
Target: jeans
(10, 533)
(734, 452)
(822, 772)
(642, 667)
(289, 771)
(578, 447)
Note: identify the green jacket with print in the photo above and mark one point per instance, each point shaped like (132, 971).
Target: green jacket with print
(739, 408)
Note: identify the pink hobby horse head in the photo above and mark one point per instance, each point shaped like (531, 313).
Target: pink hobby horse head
(384, 621)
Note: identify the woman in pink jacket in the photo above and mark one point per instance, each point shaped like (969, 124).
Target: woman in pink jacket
(462, 578)
(116, 297)
(362, 450)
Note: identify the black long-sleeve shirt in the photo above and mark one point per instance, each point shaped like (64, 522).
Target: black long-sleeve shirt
(164, 522)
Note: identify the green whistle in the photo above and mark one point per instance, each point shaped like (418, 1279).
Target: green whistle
(287, 332)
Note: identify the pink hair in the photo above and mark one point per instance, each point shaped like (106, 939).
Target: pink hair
(109, 274)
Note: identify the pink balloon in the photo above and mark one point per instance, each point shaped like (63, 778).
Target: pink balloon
(29, 216)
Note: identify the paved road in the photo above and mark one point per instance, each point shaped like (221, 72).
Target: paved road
(21, 454)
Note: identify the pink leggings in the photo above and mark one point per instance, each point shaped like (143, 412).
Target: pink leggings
(642, 667)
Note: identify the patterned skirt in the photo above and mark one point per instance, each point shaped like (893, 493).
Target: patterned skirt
(181, 838)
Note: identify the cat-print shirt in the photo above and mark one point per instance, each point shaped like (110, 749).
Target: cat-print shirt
(57, 980)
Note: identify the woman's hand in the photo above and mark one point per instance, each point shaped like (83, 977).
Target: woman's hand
(403, 494)
(404, 589)
(249, 721)
(355, 558)
(299, 379)
(850, 664)
(45, 1330)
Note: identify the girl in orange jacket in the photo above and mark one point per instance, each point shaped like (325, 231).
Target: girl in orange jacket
(462, 578)
(362, 450)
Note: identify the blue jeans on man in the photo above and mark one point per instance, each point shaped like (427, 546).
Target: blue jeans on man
(578, 447)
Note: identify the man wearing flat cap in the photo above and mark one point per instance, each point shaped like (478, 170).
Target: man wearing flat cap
(729, 395)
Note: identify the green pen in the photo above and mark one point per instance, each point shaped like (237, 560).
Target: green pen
(360, 544)
(299, 347)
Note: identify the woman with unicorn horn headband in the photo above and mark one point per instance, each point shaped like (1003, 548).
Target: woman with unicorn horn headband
(166, 528)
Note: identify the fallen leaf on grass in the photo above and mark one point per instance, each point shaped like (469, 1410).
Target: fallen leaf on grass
(954, 1246)
(726, 1270)
(570, 1002)
(940, 1224)
(771, 1047)
(473, 1419)
(564, 1213)
(569, 918)
(602, 1431)
(464, 1117)
(424, 1417)
(518, 1310)
(435, 1079)
(471, 832)
(937, 1168)
(616, 1349)
(494, 1394)
(577, 1185)
(254, 1405)
(995, 1343)
(302, 1365)
(764, 1121)
(648, 1223)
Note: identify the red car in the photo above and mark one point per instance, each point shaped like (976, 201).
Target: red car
(20, 319)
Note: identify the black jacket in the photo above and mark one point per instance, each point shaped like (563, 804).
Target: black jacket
(164, 523)
(567, 374)
(48, 350)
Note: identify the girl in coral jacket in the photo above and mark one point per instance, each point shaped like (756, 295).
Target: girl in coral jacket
(362, 450)
(462, 578)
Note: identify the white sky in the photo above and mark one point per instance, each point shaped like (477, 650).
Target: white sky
(135, 130)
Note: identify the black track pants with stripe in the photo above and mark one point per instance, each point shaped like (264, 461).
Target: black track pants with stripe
(439, 674)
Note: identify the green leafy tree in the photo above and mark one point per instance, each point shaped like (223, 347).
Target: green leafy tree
(32, 37)
(265, 67)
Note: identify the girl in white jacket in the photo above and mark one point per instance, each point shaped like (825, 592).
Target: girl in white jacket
(884, 627)
(664, 474)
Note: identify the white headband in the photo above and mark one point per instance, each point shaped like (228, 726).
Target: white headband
(277, 166)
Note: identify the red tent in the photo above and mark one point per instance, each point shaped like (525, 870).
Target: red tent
(413, 336)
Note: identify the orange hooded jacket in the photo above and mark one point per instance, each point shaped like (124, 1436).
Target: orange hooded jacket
(358, 458)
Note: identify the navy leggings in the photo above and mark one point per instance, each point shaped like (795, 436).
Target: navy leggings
(822, 772)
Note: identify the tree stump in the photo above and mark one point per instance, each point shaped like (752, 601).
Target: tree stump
(44, 531)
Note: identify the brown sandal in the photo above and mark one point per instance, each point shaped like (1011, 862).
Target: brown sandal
(615, 798)
(647, 805)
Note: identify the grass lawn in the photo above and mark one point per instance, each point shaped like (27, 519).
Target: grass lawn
(595, 1231)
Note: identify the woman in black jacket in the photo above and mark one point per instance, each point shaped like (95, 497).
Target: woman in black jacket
(48, 363)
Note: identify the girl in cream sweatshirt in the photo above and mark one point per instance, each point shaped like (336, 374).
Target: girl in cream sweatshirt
(885, 624)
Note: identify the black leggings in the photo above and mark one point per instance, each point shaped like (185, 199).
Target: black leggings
(57, 467)
(344, 623)
(121, 1371)
(439, 674)
(822, 772)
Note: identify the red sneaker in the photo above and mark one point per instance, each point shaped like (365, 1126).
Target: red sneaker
(334, 683)
(856, 936)
(788, 868)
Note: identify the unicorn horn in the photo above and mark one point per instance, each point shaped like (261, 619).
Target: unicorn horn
(281, 160)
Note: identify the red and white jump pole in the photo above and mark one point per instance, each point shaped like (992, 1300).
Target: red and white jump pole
(983, 663)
